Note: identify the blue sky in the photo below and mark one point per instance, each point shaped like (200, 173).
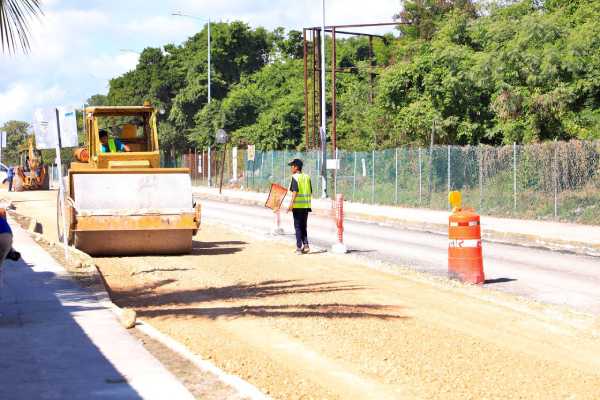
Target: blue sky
(78, 45)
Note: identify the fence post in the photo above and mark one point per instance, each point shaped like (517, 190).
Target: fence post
(272, 166)
(234, 163)
(514, 176)
(335, 175)
(449, 174)
(283, 168)
(430, 183)
(420, 178)
(396, 183)
(202, 166)
(480, 177)
(209, 169)
(246, 169)
(354, 178)
(319, 174)
(555, 178)
(194, 172)
(373, 180)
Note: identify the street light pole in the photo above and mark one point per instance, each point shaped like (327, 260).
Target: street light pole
(209, 67)
(323, 108)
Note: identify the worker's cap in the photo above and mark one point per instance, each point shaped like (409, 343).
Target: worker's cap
(102, 132)
(297, 162)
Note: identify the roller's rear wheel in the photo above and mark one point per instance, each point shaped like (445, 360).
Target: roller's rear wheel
(133, 243)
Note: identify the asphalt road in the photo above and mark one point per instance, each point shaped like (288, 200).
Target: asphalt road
(539, 274)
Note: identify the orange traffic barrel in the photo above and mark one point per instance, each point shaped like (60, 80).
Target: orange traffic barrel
(465, 259)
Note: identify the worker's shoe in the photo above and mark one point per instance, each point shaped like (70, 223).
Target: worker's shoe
(299, 251)
(13, 255)
(305, 249)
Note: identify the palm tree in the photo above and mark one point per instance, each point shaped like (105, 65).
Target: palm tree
(14, 23)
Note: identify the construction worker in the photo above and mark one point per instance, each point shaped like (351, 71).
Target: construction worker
(111, 145)
(300, 204)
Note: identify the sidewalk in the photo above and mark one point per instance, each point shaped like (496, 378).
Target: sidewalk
(58, 341)
(554, 235)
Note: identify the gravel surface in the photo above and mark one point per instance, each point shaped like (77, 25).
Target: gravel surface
(328, 327)
(321, 326)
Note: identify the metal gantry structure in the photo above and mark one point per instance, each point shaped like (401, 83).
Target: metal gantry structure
(313, 53)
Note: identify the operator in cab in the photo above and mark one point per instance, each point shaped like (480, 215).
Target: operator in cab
(110, 144)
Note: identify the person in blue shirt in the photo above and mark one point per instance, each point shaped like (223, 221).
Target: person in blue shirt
(10, 174)
(111, 145)
(6, 239)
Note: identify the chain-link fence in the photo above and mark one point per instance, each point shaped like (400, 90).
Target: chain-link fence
(553, 180)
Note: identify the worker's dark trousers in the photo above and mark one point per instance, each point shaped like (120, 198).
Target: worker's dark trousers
(10, 184)
(300, 221)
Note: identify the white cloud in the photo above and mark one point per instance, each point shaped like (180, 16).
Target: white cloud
(294, 14)
(21, 96)
(75, 45)
(166, 27)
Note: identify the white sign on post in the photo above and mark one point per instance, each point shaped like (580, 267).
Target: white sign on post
(2, 142)
(46, 129)
(68, 127)
(234, 161)
(333, 163)
(48, 125)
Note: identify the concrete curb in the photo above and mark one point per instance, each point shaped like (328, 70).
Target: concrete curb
(243, 388)
(511, 238)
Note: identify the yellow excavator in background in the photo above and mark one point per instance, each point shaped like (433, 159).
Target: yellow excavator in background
(31, 174)
(124, 203)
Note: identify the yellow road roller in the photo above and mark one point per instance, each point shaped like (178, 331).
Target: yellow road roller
(118, 200)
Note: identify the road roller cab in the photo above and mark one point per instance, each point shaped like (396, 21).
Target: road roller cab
(123, 203)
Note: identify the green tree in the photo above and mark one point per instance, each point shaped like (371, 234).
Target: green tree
(16, 136)
(420, 18)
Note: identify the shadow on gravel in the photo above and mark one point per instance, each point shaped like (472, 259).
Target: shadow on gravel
(333, 310)
(189, 302)
(153, 270)
(216, 248)
(148, 296)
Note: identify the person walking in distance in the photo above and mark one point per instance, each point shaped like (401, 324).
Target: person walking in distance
(300, 204)
(10, 175)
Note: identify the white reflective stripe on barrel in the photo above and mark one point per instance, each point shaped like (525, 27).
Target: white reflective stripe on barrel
(471, 223)
(464, 243)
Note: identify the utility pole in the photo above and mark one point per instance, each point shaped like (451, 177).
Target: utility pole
(323, 108)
